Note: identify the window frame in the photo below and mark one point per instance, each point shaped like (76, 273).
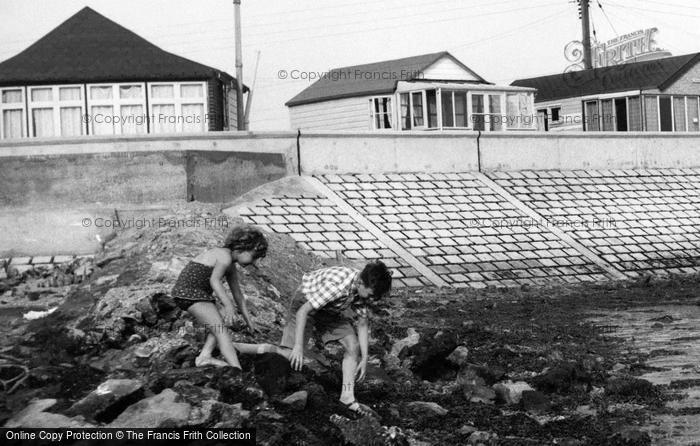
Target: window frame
(116, 102)
(56, 105)
(178, 101)
(373, 113)
(21, 106)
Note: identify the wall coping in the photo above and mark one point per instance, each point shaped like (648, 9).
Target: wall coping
(89, 139)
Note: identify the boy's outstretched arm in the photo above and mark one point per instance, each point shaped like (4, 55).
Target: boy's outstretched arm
(297, 356)
(363, 337)
(239, 298)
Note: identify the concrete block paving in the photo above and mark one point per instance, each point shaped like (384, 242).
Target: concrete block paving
(458, 227)
(319, 226)
(637, 220)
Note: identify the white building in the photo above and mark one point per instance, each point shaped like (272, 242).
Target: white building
(428, 92)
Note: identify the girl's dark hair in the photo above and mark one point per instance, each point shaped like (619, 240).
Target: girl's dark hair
(377, 277)
(246, 238)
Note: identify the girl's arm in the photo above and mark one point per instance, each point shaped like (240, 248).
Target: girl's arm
(222, 264)
(239, 298)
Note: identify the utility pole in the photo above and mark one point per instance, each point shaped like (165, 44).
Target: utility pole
(585, 23)
(239, 67)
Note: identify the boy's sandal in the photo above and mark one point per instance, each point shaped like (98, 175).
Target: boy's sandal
(361, 409)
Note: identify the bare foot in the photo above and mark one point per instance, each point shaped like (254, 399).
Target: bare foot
(203, 361)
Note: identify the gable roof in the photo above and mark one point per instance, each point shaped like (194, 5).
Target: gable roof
(657, 73)
(370, 79)
(89, 47)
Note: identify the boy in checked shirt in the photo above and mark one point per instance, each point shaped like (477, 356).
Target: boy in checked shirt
(327, 300)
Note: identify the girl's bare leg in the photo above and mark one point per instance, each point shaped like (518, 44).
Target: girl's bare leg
(205, 357)
(208, 315)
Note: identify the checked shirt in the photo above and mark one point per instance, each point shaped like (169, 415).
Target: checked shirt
(333, 289)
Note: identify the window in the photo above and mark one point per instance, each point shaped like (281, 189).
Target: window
(607, 116)
(651, 104)
(693, 114)
(12, 113)
(665, 114)
(381, 116)
(592, 118)
(454, 109)
(495, 119)
(519, 112)
(431, 100)
(117, 109)
(555, 113)
(634, 114)
(621, 114)
(56, 111)
(178, 107)
(478, 117)
(417, 109)
(679, 114)
(405, 111)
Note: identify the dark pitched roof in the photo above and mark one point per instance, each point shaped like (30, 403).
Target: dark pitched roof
(370, 79)
(89, 47)
(657, 73)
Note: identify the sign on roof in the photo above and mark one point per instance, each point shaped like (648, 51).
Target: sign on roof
(636, 46)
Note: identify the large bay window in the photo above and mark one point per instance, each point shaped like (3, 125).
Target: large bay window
(12, 119)
(56, 111)
(178, 107)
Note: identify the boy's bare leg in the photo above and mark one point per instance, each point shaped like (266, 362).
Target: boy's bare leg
(256, 349)
(352, 353)
(350, 359)
(207, 314)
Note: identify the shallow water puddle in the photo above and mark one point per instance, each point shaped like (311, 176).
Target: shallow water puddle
(671, 335)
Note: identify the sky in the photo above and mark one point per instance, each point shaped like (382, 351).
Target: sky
(501, 40)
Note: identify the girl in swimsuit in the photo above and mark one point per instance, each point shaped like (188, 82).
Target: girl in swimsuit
(203, 276)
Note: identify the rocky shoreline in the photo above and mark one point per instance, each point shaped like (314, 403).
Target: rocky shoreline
(494, 366)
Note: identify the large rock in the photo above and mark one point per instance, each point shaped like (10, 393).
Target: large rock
(297, 400)
(35, 416)
(108, 400)
(429, 356)
(231, 415)
(509, 392)
(562, 377)
(426, 408)
(163, 348)
(534, 401)
(358, 432)
(121, 308)
(459, 356)
(162, 410)
(476, 393)
(409, 341)
(217, 414)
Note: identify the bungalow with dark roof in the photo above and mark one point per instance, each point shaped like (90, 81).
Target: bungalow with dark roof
(428, 92)
(91, 76)
(653, 95)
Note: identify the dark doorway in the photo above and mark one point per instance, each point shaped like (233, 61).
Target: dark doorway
(621, 114)
(544, 119)
(666, 114)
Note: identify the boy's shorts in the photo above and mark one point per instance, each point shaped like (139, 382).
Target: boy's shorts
(330, 325)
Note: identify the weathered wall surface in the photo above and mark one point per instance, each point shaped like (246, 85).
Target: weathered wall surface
(573, 151)
(337, 153)
(208, 168)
